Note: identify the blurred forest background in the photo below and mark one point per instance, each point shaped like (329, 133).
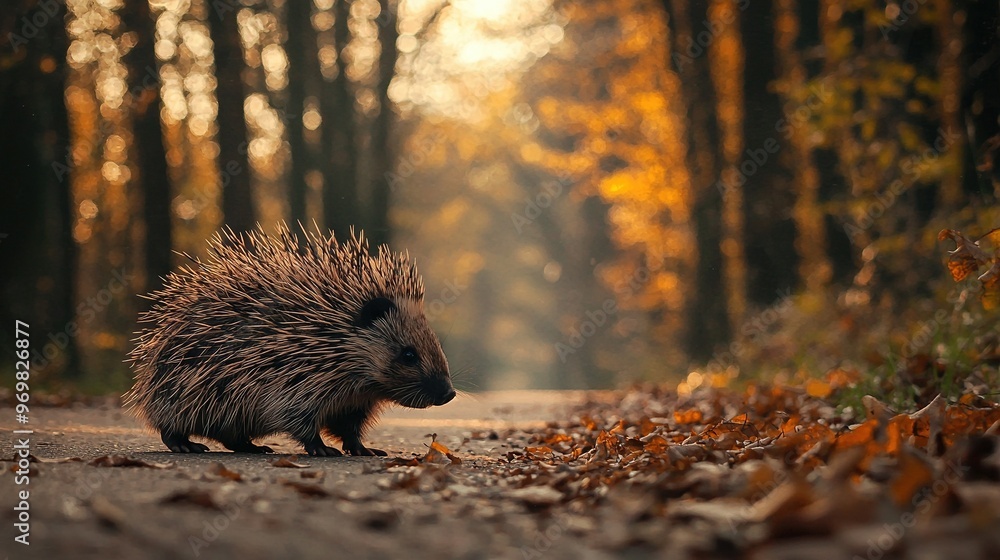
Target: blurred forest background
(596, 191)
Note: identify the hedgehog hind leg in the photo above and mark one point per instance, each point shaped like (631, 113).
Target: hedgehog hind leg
(179, 443)
(246, 446)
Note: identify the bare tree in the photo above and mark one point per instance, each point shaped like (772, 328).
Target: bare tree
(150, 156)
(234, 164)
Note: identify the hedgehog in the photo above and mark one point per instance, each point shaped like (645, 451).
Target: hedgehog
(280, 334)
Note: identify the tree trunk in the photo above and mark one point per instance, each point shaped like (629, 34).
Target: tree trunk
(37, 251)
(340, 196)
(981, 98)
(707, 322)
(768, 195)
(378, 222)
(301, 49)
(149, 154)
(234, 165)
(950, 74)
(726, 58)
(815, 270)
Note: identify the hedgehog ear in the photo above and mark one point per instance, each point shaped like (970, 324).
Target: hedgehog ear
(372, 311)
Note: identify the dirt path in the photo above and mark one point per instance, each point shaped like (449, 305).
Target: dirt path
(337, 507)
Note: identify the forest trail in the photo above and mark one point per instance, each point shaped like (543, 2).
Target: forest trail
(182, 507)
(529, 475)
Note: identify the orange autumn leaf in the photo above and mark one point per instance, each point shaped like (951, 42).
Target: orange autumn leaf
(818, 388)
(740, 419)
(913, 474)
(543, 449)
(969, 256)
(692, 416)
(438, 453)
(991, 286)
(840, 378)
(862, 435)
(900, 428)
(656, 445)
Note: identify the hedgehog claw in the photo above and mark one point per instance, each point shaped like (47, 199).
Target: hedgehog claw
(322, 450)
(362, 451)
(248, 447)
(181, 444)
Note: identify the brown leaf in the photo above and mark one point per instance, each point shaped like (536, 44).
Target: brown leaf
(218, 469)
(876, 409)
(193, 496)
(402, 462)
(123, 461)
(967, 257)
(315, 475)
(991, 286)
(107, 513)
(913, 473)
(692, 416)
(440, 454)
(784, 501)
(55, 460)
(306, 489)
(537, 495)
(288, 463)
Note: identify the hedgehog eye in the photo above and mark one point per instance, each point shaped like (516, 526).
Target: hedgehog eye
(409, 356)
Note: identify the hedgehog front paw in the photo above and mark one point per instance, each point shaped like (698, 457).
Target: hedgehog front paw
(248, 447)
(322, 450)
(359, 450)
(181, 444)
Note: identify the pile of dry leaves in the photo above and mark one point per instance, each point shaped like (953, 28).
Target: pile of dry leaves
(742, 470)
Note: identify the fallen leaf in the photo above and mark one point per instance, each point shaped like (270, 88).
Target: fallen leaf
(193, 496)
(288, 463)
(912, 475)
(123, 461)
(536, 495)
(107, 513)
(306, 489)
(220, 470)
(55, 460)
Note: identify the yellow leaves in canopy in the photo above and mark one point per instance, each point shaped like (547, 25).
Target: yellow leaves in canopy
(841, 44)
(531, 153)
(613, 186)
(452, 213)
(650, 102)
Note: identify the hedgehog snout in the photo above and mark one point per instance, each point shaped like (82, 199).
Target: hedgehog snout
(439, 389)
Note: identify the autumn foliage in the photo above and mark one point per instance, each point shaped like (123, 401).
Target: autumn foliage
(746, 469)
